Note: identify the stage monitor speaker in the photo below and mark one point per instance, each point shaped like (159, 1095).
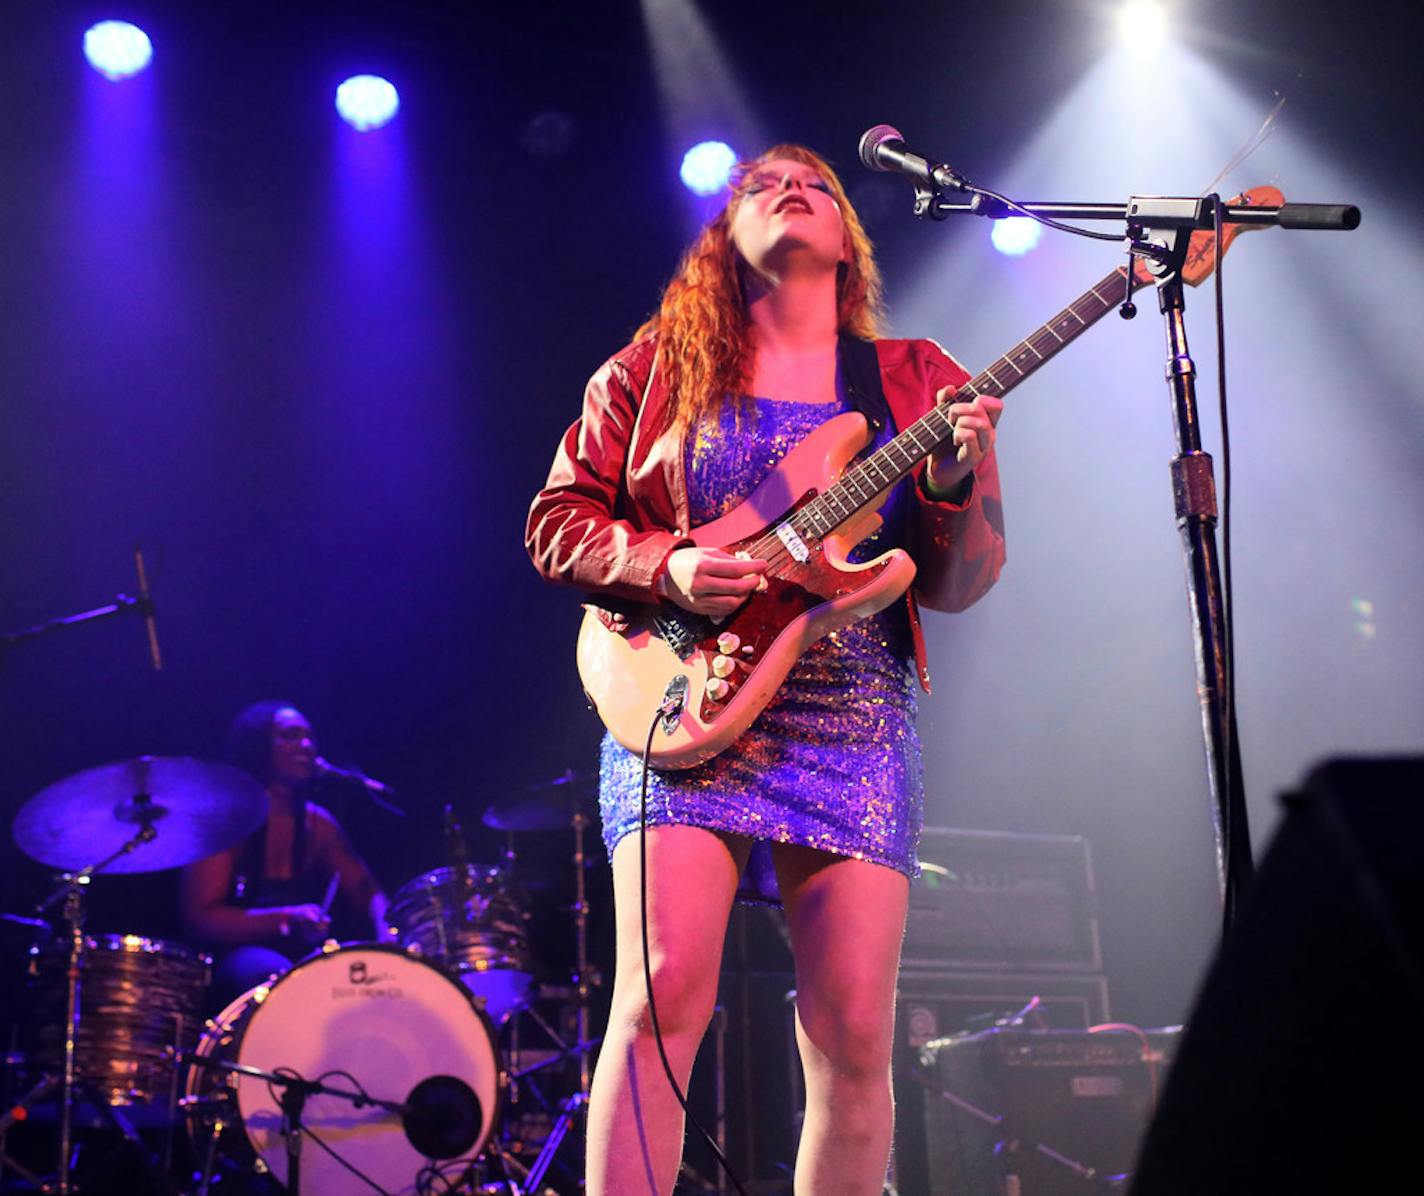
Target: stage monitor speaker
(1297, 1070)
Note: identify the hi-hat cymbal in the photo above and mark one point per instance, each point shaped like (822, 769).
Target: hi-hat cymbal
(196, 807)
(548, 806)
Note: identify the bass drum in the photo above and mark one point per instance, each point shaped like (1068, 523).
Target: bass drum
(363, 1018)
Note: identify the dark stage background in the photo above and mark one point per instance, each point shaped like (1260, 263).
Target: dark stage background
(320, 375)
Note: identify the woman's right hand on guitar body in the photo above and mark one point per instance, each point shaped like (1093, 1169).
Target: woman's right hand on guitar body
(709, 581)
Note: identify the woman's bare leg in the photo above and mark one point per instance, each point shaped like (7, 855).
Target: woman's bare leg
(635, 1123)
(847, 918)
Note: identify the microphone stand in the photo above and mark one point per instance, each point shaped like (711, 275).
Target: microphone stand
(122, 604)
(1159, 230)
(294, 1093)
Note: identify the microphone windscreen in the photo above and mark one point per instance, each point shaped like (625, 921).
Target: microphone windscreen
(872, 139)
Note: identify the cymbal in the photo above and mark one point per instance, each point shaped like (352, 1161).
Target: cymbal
(548, 806)
(195, 807)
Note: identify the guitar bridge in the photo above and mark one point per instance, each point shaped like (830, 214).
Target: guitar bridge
(682, 631)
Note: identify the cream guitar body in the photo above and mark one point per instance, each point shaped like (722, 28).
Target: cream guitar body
(733, 667)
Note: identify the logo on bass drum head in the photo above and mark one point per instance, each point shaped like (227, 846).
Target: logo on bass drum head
(366, 983)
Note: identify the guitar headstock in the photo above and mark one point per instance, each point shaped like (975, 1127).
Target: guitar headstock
(1201, 249)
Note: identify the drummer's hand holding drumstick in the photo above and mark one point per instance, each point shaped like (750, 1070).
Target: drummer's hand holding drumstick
(307, 924)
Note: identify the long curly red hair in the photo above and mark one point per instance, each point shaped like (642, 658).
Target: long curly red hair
(702, 325)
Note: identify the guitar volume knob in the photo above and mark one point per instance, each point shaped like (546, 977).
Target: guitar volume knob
(728, 642)
(723, 666)
(717, 689)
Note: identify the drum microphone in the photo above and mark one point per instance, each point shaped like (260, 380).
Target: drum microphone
(325, 768)
(145, 608)
(442, 1117)
(883, 148)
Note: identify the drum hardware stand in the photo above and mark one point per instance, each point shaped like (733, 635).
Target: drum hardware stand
(71, 893)
(585, 978)
(573, 1106)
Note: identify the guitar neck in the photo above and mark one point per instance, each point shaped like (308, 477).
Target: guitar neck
(871, 477)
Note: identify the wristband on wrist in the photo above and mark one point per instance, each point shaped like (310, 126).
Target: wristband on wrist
(958, 495)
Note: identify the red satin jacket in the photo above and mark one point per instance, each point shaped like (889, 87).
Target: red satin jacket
(615, 504)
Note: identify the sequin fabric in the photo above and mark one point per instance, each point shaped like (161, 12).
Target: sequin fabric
(833, 762)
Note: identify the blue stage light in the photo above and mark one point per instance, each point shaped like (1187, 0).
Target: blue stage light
(707, 166)
(367, 101)
(1015, 235)
(116, 49)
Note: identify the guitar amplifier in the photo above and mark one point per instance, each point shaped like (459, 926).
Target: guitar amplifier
(932, 1005)
(1038, 1112)
(990, 899)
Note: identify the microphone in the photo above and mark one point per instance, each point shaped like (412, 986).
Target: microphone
(883, 148)
(325, 768)
(145, 607)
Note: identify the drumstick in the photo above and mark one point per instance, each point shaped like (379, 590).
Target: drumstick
(331, 887)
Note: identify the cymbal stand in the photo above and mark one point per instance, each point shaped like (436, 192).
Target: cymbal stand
(70, 894)
(585, 979)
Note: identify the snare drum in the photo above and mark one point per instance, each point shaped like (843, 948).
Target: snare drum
(139, 998)
(476, 929)
(369, 1018)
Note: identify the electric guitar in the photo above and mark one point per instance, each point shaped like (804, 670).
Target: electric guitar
(711, 678)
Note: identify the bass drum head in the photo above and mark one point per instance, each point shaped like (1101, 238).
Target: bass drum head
(368, 1018)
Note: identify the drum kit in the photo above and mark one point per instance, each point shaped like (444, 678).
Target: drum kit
(424, 1064)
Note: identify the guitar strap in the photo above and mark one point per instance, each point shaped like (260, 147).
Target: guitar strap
(860, 367)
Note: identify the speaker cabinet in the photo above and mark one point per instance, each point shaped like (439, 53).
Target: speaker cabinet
(1297, 1070)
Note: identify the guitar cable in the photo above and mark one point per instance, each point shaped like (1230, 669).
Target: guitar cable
(647, 956)
(1237, 882)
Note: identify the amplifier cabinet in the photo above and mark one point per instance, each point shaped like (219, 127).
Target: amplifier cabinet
(1038, 1112)
(933, 1005)
(993, 899)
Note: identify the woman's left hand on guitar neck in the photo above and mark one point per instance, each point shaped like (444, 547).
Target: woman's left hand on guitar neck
(974, 425)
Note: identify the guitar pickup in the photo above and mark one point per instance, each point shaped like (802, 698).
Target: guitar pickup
(795, 545)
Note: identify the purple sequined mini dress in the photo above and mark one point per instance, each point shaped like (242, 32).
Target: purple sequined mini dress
(833, 762)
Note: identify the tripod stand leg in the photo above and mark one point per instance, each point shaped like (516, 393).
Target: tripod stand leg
(567, 1112)
(211, 1157)
(18, 1112)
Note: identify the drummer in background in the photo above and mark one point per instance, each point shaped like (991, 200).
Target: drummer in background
(262, 904)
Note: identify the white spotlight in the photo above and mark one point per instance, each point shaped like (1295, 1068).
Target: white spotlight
(367, 101)
(1142, 24)
(116, 49)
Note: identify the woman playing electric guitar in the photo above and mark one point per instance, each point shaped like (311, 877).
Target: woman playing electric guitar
(766, 334)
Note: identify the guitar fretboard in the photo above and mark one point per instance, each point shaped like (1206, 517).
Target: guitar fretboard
(871, 477)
